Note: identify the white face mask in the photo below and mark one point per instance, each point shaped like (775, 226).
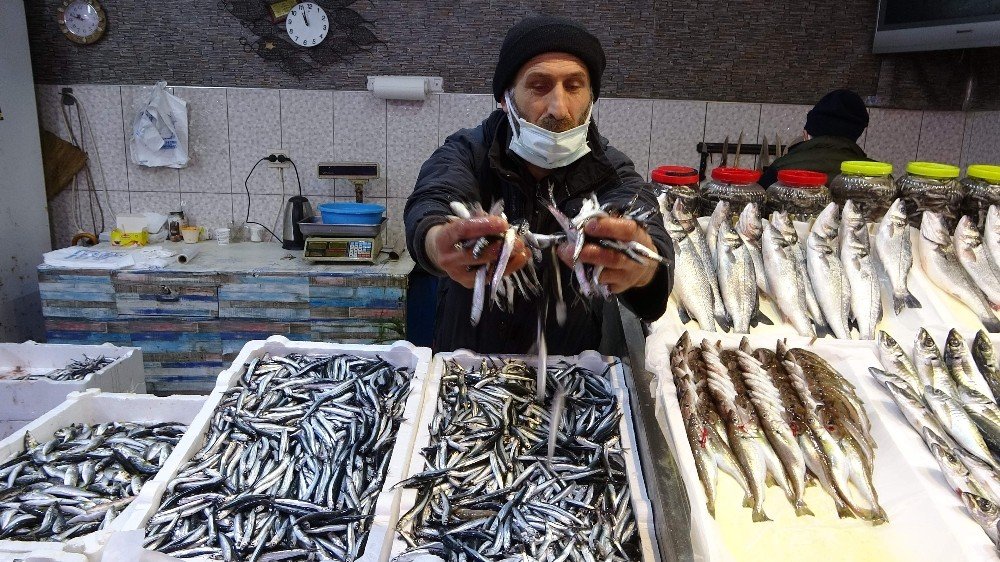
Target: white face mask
(543, 147)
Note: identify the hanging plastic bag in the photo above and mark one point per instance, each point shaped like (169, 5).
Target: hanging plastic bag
(160, 130)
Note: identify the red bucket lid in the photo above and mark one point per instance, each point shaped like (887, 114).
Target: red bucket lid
(736, 175)
(675, 175)
(801, 178)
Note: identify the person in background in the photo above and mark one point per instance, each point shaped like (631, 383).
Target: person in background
(546, 81)
(833, 127)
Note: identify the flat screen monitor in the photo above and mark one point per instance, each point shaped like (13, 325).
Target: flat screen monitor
(932, 25)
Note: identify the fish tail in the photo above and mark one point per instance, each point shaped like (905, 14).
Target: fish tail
(711, 508)
(724, 322)
(911, 301)
(802, 509)
(747, 500)
(758, 513)
(879, 516)
(843, 511)
(991, 324)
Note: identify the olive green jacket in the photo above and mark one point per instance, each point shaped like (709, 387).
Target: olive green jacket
(819, 154)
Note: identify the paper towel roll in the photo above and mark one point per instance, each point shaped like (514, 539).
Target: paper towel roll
(399, 87)
(188, 254)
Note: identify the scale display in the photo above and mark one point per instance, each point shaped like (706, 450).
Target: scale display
(323, 248)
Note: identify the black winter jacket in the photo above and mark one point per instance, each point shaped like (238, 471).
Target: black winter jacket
(475, 165)
(819, 154)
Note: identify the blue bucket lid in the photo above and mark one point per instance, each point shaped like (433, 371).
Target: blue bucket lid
(351, 208)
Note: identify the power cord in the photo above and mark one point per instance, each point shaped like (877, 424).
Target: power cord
(246, 185)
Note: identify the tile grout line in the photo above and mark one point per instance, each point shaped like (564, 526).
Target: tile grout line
(229, 146)
(128, 180)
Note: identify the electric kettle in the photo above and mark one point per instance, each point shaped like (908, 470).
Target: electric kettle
(297, 209)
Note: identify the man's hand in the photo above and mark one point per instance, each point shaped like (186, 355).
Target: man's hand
(443, 244)
(620, 273)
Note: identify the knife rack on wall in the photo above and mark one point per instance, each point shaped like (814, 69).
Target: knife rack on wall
(750, 151)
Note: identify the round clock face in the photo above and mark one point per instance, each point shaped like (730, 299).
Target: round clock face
(81, 20)
(307, 24)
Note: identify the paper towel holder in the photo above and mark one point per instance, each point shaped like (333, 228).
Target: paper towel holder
(405, 87)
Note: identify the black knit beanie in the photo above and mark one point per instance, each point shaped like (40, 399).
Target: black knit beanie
(535, 35)
(840, 113)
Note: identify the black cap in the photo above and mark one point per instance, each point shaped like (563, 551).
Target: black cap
(535, 35)
(840, 113)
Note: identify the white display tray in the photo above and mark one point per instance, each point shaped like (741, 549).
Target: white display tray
(400, 354)
(94, 407)
(926, 519)
(589, 360)
(21, 401)
(934, 310)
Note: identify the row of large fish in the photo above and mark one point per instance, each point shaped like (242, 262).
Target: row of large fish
(783, 415)
(825, 283)
(950, 400)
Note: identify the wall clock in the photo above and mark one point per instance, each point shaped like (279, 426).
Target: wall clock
(82, 21)
(307, 24)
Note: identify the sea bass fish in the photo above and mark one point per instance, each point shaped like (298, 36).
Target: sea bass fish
(785, 282)
(737, 278)
(894, 255)
(855, 255)
(974, 257)
(783, 223)
(692, 290)
(750, 228)
(822, 261)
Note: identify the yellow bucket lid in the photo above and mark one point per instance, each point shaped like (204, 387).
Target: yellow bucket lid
(933, 170)
(984, 172)
(866, 168)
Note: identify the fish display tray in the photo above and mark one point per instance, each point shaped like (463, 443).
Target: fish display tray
(93, 407)
(591, 360)
(926, 519)
(934, 311)
(399, 354)
(21, 401)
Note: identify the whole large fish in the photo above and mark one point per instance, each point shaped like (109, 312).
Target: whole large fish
(750, 228)
(823, 263)
(974, 257)
(930, 366)
(719, 215)
(984, 413)
(737, 279)
(894, 254)
(897, 362)
(985, 357)
(787, 286)
(784, 225)
(957, 474)
(745, 436)
(777, 419)
(958, 424)
(983, 474)
(909, 403)
(701, 246)
(961, 367)
(692, 289)
(855, 255)
(936, 254)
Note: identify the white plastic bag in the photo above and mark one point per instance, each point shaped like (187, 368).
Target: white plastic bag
(160, 130)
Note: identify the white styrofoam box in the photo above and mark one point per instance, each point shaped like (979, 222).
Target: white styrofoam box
(590, 360)
(933, 310)
(94, 407)
(28, 399)
(926, 519)
(399, 354)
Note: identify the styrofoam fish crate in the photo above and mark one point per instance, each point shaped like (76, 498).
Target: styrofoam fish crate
(936, 309)
(926, 519)
(21, 401)
(95, 407)
(399, 354)
(590, 360)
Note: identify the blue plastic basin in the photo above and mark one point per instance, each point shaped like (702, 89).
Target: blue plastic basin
(351, 213)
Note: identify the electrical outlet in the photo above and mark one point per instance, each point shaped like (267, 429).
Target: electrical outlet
(278, 152)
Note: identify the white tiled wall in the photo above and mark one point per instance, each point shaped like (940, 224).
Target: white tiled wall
(232, 128)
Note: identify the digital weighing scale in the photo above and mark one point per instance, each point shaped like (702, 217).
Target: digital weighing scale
(348, 243)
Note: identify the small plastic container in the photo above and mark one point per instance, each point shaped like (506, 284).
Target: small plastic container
(982, 189)
(678, 182)
(801, 193)
(930, 186)
(869, 186)
(351, 213)
(737, 185)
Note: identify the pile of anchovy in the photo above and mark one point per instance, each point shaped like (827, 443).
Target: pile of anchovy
(75, 371)
(78, 481)
(499, 485)
(293, 463)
